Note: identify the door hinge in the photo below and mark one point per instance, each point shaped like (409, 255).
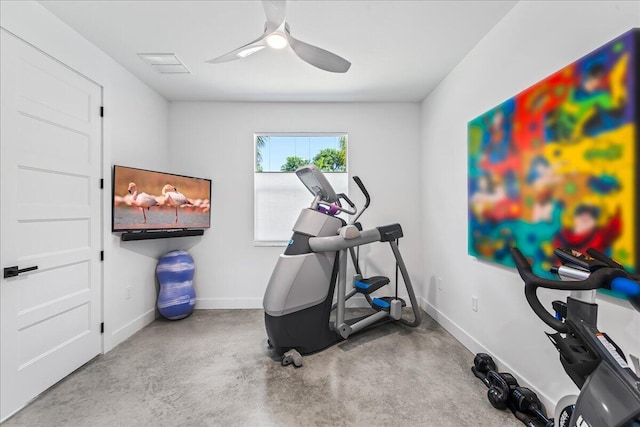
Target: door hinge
(101, 255)
(101, 183)
(102, 328)
(101, 111)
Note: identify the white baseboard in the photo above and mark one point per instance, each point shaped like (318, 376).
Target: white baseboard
(227, 303)
(124, 332)
(476, 347)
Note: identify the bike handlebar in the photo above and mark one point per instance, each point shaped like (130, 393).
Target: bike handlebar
(596, 254)
(625, 286)
(604, 278)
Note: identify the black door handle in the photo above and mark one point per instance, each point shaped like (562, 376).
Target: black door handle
(14, 271)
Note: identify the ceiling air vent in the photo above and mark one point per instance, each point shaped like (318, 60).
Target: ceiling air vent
(164, 63)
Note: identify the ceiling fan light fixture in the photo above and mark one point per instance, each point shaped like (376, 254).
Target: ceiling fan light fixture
(277, 41)
(276, 35)
(248, 51)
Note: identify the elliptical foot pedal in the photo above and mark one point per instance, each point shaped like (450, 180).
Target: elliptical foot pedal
(371, 284)
(292, 357)
(384, 303)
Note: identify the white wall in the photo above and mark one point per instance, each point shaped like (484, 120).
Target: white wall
(135, 134)
(215, 140)
(532, 41)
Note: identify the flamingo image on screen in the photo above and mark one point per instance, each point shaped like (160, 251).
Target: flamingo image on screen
(141, 200)
(174, 198)
(149, 200)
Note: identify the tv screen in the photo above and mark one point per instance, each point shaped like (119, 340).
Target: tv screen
(148, 200)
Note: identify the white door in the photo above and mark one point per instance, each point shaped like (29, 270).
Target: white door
(50, 217)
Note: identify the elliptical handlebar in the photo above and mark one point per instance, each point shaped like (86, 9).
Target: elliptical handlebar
(362, 188)
(351, 211)
(346, 199)
(358, 181)
(603, 278)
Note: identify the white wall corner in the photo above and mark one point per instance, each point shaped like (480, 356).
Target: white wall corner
(113, 338)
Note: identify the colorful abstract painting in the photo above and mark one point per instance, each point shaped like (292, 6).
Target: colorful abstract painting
(555, 166)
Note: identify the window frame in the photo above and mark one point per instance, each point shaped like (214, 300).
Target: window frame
(283, 243)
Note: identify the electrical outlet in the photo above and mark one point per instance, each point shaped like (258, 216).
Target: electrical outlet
(127, 292)
(474, 303)
(439, 283)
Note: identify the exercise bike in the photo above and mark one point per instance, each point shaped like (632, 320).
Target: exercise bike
(609, 389)
(298, 301)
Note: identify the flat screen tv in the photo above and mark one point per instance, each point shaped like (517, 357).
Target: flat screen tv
(148, 200)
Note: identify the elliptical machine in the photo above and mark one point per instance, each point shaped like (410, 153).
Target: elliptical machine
(298, 301)
(609, 389)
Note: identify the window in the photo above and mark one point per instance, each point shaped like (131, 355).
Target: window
(278, 193)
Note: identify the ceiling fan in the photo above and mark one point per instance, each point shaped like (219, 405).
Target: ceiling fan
(277, 36)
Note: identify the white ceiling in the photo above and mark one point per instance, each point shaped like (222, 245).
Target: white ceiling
(400, 50)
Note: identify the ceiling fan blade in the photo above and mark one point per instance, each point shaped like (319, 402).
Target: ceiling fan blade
(242, 52)
(275, 11)
(317, 57)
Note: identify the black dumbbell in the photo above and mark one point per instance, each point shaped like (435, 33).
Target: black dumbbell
(501, 385)
(482, 364)
(525, 400)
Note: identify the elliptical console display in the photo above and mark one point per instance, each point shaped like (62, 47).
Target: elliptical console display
(609, 389)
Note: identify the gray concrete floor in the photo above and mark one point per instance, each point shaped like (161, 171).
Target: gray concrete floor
(213, 368)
